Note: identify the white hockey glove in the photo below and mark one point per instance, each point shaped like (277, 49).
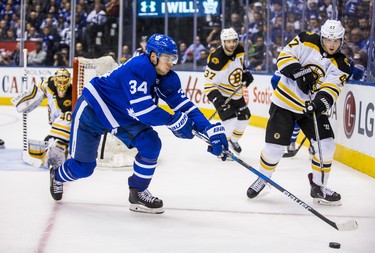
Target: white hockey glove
(28, 100)
(56, 153)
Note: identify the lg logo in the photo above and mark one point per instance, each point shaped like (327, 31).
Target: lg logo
(349, 114)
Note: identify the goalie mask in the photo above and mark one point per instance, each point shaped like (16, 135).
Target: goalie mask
(62, 81)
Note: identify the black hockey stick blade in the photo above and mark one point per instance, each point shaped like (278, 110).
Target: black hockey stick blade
(293, 153)
(346, 226)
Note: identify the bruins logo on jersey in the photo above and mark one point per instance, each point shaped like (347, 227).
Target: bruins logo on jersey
(318, 72)
(215, 60)
(67, 103)
(235, 77)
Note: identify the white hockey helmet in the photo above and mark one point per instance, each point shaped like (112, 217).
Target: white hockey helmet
(228, 34)
(332, 29)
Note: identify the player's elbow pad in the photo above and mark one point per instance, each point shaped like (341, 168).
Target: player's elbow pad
(28, 100)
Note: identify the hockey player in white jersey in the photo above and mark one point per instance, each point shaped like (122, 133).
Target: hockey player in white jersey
(124, 102)
(58, 91)
(225, 74)
(310, 63)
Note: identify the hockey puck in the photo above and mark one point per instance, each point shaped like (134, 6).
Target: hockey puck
(334, 245)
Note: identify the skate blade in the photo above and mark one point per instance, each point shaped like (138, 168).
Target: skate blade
(324, 202)
(143, 209)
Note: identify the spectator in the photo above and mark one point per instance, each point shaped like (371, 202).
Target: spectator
(213, 39)
(32, 34)
(142, 48)
(38, 56)
(359, 70)
(61, 58)
(235, 22)
(257, 55)
(80, 52)
(356, 37)
(126, 55)
(197, 46)
(4, 58)
(181, 51)
(203, 55)
(10, 35)
(50, 45)
(96, 21)
(313, 25)
(312, 9)
(15, 56)
(189, 57)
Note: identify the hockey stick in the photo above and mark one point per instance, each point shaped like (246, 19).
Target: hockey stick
(346, 226)
(292, 154)
(103, 144)
(226, 101)
(317, 137)
(25, 153)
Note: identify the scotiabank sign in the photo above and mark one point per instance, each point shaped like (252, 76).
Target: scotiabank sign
(182, 8)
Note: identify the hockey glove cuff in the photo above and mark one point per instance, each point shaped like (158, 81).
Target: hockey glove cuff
(304, 78)
(320, 105)
(247, 77)
(181, 126)
(218, 140)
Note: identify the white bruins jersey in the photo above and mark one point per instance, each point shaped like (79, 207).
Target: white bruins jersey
(59, 109)
(224, 73)
(330, 71)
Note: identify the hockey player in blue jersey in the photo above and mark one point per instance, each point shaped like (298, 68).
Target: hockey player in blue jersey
(124, 102)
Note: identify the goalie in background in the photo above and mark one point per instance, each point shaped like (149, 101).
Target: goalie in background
(57, 89)
(224, 75)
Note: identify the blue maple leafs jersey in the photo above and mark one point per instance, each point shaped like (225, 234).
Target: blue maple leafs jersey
(129, 94)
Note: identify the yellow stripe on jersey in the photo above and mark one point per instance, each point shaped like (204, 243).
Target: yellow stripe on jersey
(311, 45)
(331, 89)
(208, 87)
(289, 97)
(285, 60)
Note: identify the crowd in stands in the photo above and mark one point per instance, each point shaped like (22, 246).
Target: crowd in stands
(48, 25)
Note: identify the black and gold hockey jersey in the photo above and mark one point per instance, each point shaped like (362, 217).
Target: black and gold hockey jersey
(59, 109)
(224, 73)
(330, 71)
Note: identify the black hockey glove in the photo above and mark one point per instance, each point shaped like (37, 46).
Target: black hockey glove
(304, 78)
(320, 104)
(247, 77)
(218, 100)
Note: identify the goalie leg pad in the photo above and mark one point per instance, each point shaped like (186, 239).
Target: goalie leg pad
(37, 148)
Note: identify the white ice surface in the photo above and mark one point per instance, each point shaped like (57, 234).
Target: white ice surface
(206, 207)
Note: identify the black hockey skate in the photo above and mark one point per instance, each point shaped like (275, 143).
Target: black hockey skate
(236, 146)
(2, 144)
(256, 188)
(330, 198)
(56, 187)
(144, 202)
